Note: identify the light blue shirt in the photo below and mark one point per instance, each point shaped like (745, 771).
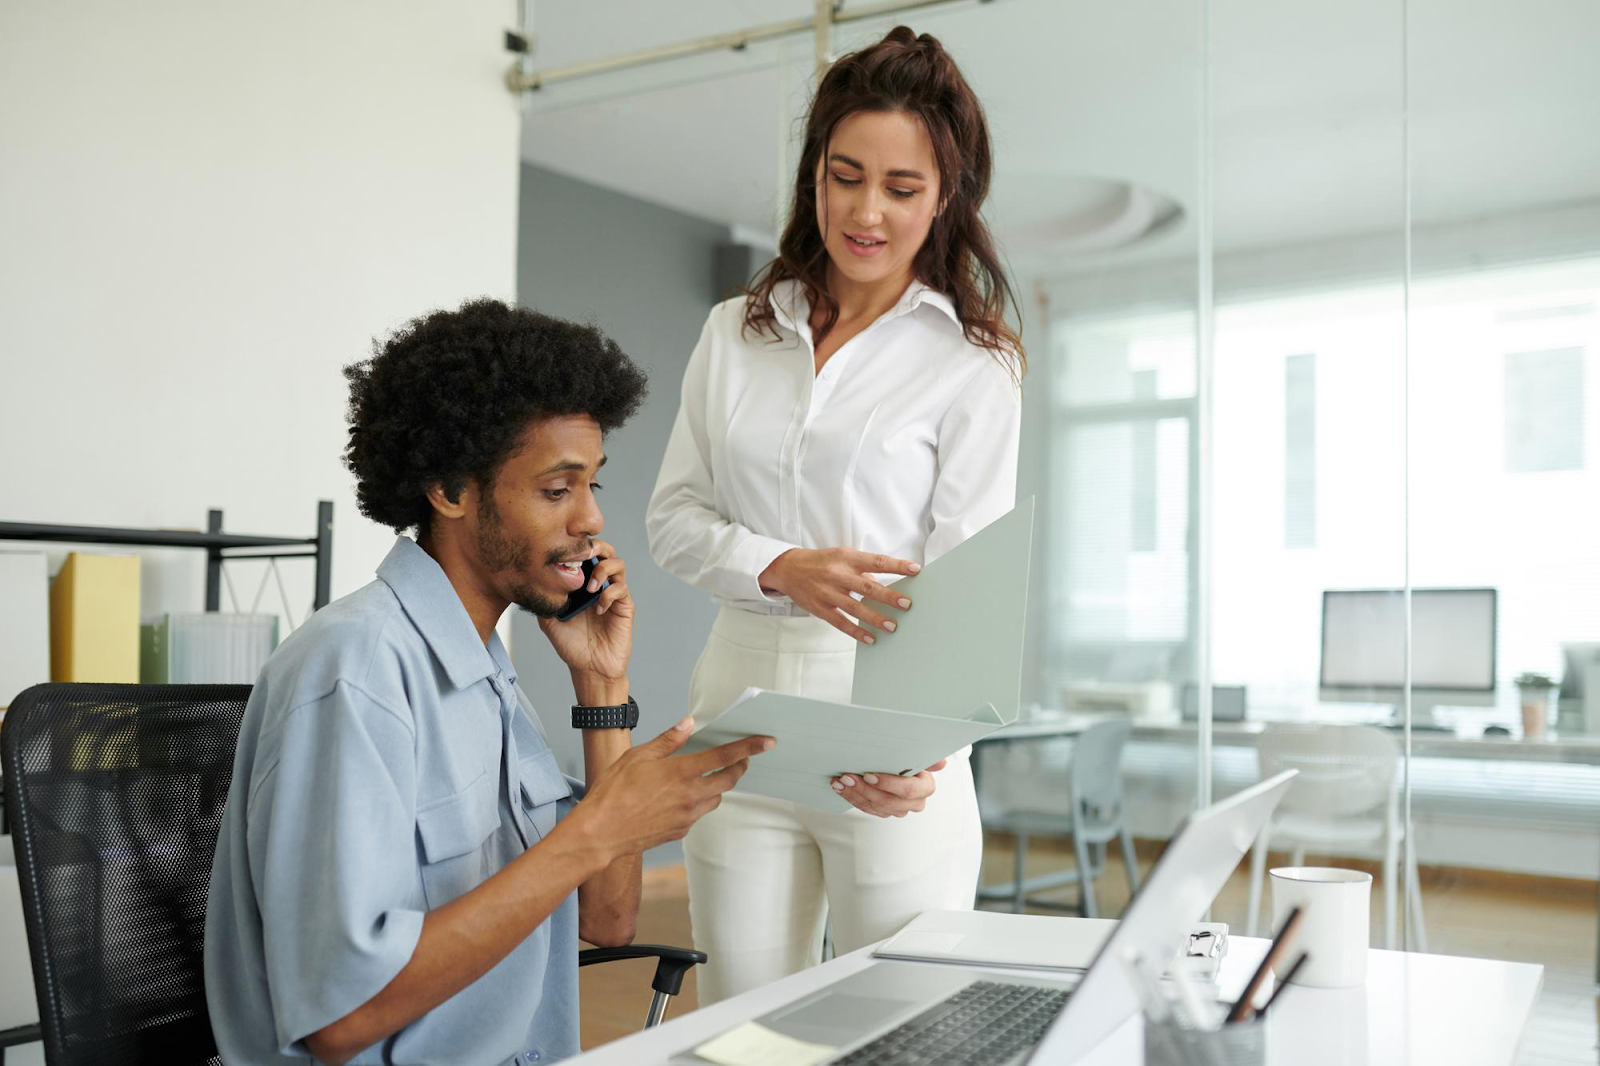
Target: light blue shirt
(388, 763)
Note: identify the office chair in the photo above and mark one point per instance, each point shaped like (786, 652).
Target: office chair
(115, 796)
(1095, 815)
(1344, 798)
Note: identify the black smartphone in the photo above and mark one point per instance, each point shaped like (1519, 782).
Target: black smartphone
(579, 601)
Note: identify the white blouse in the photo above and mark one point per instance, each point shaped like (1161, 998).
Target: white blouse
(905, 443)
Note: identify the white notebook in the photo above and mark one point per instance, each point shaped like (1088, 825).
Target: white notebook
(989, 938)
(1037, 942)
(948, 676)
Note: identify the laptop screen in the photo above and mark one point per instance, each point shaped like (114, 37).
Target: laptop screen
(1185, 880)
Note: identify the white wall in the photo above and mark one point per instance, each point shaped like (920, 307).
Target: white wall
(206, 210)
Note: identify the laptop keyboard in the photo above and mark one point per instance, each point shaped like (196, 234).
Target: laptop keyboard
(983, 1024)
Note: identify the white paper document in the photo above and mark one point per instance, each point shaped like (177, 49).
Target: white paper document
(988, 938)
(950, 675)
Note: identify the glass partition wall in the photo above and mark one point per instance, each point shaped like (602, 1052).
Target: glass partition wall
(1503, 339)
(1311, 299)
(1095, 202)
(1322, 443)
(1307, 486)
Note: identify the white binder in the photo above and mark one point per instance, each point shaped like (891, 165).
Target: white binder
(950, 674)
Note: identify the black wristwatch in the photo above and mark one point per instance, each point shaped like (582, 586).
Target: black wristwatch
(621, 716)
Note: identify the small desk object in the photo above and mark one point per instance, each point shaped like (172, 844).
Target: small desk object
(1414, 1010)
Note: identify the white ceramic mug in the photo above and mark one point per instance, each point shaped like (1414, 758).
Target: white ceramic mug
(1335, 927)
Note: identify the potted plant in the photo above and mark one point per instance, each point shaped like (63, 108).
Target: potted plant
(1534, 693)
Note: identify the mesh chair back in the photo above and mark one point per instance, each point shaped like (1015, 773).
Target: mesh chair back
(1344, 769)
(1097, 771)
(115, 794)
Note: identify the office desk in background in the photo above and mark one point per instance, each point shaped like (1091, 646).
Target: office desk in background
(1415, 1010)
(1582, 749)
(1427, 743)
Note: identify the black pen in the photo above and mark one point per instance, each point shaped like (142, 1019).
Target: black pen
(1276, 992)
(1242, 1009)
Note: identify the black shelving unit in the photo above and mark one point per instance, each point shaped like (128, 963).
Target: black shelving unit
(218, 546)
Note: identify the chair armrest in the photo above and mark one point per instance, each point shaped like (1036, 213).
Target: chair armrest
(22, 1034)
(673, 964)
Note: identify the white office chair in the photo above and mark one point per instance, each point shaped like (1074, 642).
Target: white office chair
(1094, 815)
(1345, 798)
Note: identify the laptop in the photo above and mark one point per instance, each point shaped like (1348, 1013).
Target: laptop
(1227, 703)
(901, 1012)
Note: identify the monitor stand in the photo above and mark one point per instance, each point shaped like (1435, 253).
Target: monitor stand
(1423, 718)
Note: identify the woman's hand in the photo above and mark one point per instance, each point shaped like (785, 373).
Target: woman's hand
(821, 581)
(888, 795)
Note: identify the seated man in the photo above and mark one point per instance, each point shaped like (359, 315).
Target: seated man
(395, 875)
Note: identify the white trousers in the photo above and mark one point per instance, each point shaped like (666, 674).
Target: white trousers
(764, 874)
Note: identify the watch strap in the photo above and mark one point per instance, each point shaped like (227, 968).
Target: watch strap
(620, 716)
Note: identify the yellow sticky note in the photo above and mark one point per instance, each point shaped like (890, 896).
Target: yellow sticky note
(755, 1045)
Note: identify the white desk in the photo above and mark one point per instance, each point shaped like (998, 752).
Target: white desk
(1582, 748)
(1413, 1010)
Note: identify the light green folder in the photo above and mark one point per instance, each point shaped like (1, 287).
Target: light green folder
(949, 675)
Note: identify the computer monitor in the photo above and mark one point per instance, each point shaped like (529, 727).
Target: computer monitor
(1452, 646)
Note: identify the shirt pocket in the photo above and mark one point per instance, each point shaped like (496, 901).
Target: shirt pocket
(543, 789)
(453, 832)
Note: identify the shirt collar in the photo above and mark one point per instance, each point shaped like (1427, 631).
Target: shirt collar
(436, 610)
(789, 304)
(920, 295)
(791, 308)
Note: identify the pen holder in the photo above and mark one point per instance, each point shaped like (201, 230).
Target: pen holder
(1168, 1044)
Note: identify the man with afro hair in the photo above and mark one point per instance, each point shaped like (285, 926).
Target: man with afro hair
(402, 873)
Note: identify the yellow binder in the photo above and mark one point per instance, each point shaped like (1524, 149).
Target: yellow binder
(94, 619)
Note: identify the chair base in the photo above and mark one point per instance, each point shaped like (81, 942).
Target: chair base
(1091, 856)
(1416, 928)
(1042, 883)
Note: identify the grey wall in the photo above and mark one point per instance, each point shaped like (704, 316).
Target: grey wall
(643, 274)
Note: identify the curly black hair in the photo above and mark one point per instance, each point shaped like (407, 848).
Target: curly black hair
(446, 398)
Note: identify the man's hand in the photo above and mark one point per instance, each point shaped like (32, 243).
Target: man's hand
(651, 796)
(888, 795)
(599, 641)
(821, 581)
(646, 797)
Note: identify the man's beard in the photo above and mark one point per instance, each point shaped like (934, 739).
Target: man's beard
(500, 554)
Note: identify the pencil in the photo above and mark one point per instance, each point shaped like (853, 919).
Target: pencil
(1276, 992)
(1280, 943)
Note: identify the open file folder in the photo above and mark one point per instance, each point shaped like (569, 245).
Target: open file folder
(948, 676)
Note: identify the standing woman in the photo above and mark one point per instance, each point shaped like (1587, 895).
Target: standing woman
(855, 415)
